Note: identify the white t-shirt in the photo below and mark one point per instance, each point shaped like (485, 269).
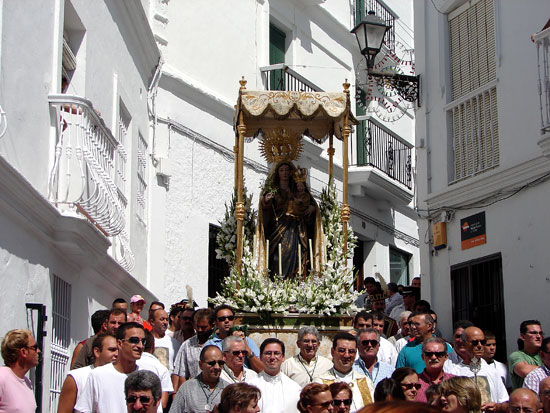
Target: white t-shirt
(166, 349)
(151, 363)
(80, 376)
(103, 392)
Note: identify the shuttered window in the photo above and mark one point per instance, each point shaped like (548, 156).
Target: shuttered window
(473, 110)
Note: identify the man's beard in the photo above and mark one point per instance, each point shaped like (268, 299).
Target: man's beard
(204, 336)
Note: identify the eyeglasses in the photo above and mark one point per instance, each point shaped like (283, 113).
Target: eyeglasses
(373, 343)
(272, 353)
(226, 317)
(134, 340)
(238, 352)
(214, 362)
(142, 399)
(476, 342)
(325, 404)
(438, 354)
(343, 351)
(409, 386)
(34, 348)
(536, 333)
(345, 402)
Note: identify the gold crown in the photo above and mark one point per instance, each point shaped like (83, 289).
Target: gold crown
(278, 145)
(300, 174)
(377, 297)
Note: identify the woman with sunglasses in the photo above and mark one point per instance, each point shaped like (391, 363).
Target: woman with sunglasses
(315, 398)
(460, 395)
(341, 397)
(407, 378)
(239, 398)
(387, 390)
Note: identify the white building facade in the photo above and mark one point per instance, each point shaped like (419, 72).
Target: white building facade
(274, 45)
(483, 162)
(75, 127)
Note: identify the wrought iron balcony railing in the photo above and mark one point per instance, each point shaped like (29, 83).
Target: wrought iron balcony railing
(542, 41)
(83, 175)
(381, 149)
(282, 77)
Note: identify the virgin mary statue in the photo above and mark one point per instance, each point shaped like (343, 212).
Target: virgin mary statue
(289, 237)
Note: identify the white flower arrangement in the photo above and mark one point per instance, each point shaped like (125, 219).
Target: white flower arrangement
(327, 293)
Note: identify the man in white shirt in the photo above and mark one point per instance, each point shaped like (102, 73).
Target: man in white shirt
(344, 350)
(166, 347)
(493, 392)
(234, 354)
(489, 350)
(307, 364)
(280, 394)
(105, 351)
(387, 352)
(104, 390)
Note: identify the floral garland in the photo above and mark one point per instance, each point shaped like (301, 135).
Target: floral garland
(327, 293)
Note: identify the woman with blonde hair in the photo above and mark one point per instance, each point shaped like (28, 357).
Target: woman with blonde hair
(460, 395)
(315, 398)
(399, 406)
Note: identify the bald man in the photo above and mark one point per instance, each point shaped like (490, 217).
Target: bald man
(544, 394)
(493, 391)
(524, 400)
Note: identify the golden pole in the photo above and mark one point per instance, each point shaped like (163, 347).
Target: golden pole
(236, 154)
(345, 214)
(239, 207)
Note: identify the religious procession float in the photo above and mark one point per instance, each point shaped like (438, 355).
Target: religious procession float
(289, 255)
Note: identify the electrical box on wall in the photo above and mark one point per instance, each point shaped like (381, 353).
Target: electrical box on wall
(439, 231)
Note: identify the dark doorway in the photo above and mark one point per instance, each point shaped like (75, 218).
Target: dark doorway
(358, 260)
(477, 296)
(217, 269)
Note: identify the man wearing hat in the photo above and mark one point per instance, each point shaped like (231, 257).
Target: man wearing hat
(410, 296)
(137, 302)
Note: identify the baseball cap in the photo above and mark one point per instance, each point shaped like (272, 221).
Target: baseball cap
(136, 298)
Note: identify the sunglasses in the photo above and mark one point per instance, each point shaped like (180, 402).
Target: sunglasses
(476, 342)
(345, 402)
(409, 386)
(34, 348)
(185, 318)
(214, 362)
(142, 399)
(438, 354)
(324, 405)
(373, 343)
(134, 340)
(226, 317)
(238, 352)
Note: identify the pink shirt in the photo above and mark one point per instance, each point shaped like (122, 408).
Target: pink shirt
(426, 382)
(16, 395)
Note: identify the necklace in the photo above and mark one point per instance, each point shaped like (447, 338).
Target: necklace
(304, 366)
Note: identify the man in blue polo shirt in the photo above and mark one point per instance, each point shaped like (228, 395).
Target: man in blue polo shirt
(421, 328)
(225, 318)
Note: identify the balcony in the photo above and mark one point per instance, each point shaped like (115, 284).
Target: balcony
(542, 42)
(382, 163)
(282, 77)
(83, 176)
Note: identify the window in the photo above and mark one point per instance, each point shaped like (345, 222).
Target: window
(399, 266)
(123, 137)
(217, 269)
(277, 48)
(473, 112)
(61, 337)
(141, 191)
(478, 296)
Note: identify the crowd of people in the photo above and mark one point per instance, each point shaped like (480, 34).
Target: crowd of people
(198, 360)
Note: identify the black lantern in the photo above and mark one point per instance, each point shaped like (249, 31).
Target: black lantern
(370, 34)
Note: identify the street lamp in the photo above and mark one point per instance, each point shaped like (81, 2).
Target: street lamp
(370, 34)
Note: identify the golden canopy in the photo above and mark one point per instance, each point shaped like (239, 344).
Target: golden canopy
(317, 115)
